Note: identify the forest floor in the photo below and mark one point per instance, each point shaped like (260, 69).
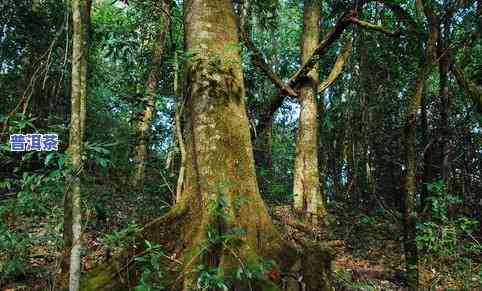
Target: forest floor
(352, 272)
(368, 250)
(371, 267)
(369, 254)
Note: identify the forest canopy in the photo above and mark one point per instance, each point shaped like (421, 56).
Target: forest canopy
(240, 145)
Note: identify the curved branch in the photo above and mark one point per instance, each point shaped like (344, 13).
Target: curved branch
(470, 87)
(337, 67)
(342, 23)
(258, 60)
(277, 99)
(370, 26)
(257, 57)
(401, 14)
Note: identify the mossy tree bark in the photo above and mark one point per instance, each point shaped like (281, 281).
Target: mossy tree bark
(410, 214)
(71, 257)
(366, 115)
(443, 47)
(428, 166)
(263, 155)
(306, 185)
(219, 155)
(220, 221)
(140, 150)
(474, 91)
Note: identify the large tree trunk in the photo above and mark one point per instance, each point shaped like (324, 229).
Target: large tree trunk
(221, 221)
(140, 151)
(306, 184)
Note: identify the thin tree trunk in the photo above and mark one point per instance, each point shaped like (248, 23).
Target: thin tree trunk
(410, 214)
(73, 214)
(349, 155)
(306, 185)
(366, 90)
(140, 151)
(444, 67)
(264, 156)
(178, 124)
(337, 166)
(427, 154)
(86, 27)
(444, 112)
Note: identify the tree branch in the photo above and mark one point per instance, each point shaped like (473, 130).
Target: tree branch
(374, 27)
(258, 60)
(256, 56)
(471, 88)
(268, 111)
(342, 23)
(337, 67)
(276, 100)
(401, 14)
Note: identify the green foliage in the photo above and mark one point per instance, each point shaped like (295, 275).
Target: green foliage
(368, 286)
(99, 154)
(14, 253)
(448, 241)
(343, 281)
(209, 279)
(34, 196)
(441, 234)
(23, 215)
(154, 272)
(117, 239)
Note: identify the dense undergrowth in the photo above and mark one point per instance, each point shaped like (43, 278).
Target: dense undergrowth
(369, 258)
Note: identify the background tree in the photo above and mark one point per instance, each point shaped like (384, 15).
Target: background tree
(144, 118)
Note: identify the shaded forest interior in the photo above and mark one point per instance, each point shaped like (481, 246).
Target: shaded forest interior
(298, 145)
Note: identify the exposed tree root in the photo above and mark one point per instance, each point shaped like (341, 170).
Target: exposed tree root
(122, 271)
(305, 266)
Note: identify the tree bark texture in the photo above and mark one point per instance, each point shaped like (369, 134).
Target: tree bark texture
(71, 257)
(410, 139)
(306, 185)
